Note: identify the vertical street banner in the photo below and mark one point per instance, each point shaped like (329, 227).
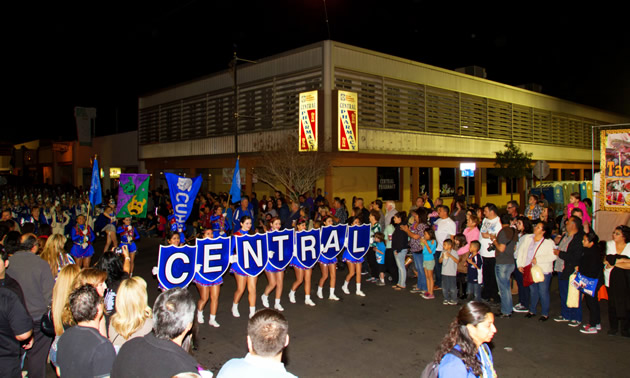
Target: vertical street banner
(347, 113)
(133, 194)
(308, 121)
(85, 118)
(615, 167)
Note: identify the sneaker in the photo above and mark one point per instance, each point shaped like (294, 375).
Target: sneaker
(428, 296)
(214, 323)
(333, 297)
(278, 307)
(436, 288)
(415, 291)
(360, 293)
(345, 290)
(452, 303)
(291, 296)
(560, 319)
(519, 308)
(574, 323)
(265, 300)
(371, 279)
(365, 273)
(200, 317)
(380, 283)
(309, 302)
(320, 294)
(598, 327)
(589, 330)
(235, 313)
(445, 302)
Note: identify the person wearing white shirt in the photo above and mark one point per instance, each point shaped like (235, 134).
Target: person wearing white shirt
(445, 228)
(490, 227)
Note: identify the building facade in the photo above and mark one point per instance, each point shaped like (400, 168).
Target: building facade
(415, 121)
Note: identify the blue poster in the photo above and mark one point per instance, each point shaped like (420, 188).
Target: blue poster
(280, 245)
(183, 192)
(307, 248)
(358, 240)
(333, 239)
(251, 253)
(176, 265)
(213, 257)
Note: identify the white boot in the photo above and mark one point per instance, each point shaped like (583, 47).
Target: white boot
(278, 306)
(292, 296)
(200, 317)
(235, 312)
(265, 300)
(308, 301)
(213, 321)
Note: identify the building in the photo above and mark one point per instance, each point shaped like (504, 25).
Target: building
(417, 120)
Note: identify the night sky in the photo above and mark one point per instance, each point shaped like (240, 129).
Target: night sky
(105, 54)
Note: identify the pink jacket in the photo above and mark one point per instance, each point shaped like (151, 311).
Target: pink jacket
(470, 234)
(581, 206)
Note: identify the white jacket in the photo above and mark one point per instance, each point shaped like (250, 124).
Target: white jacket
(544, 256)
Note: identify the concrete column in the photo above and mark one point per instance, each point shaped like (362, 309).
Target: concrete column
(328, 185)
(415, 184)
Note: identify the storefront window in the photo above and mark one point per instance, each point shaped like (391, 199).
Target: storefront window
(447, 182)
(493, 184)
(425, 181)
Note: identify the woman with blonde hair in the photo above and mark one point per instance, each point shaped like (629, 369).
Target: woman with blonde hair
(55, 255)
(133, 317)
(61, 292)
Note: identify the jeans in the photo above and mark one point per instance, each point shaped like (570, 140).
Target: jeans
(474, 289)
(566, 312)
(523, 292)
(540, 291)
(438, 269)
(450, 288)
(402, 269)
(418, 260)
(503, 273)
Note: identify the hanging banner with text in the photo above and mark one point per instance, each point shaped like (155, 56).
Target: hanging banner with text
(308, 121)
(615, 167)
(347, 112)
(210, 258)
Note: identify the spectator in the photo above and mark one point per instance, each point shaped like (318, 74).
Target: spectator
(504, 243)
(533, 210)
(34, 276)
(445, 228)
(267, 336)
(160, 353)
(491, 225)
(112, 264)
(61, 291)
(390, 208)
(133, 317)
(617, 266)
(16, 326)
(55, 255)
(524, 228)
(570, 250)
(592, 266)
(341, 214)
(82, 350)
(464, 351)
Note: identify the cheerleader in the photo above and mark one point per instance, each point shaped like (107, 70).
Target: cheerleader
(128, 234)
(329, 268)
(82, 237)
(110, 229)
(354, 267)
(242, 279)
(274, 276)
(302, 274)
(208, 289)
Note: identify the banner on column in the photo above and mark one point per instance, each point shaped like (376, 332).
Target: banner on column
(308, 121)
(348, 135)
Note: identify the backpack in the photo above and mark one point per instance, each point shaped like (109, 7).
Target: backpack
(431, 370)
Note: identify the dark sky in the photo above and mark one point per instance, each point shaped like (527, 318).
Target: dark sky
(105, 54)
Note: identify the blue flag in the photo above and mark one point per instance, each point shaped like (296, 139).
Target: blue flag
(183, 193)
(96, 196)
(235, 190)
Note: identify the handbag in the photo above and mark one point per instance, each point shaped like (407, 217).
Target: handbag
(573, 297)
(585, 284)
(528, 278)
(46, 324)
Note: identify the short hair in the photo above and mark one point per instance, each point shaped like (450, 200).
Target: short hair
(28, 242)
(576, 221)
(505, 218)
(577, 210)
(379, 203)
(84, 302)
(445, 208)
(173, 311)
(534, 197)
(379, 235)
(492, 207)
(267, 330)
(448, 241)
(592, 237)
(513, 203)
(476, 243)
(28, 228)
(376, 214)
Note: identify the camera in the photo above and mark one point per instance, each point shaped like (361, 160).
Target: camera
(118, 250)
(491, 248)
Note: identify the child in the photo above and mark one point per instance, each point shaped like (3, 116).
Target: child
(575, 202)
(475, 262)
(428, 255)
(462, 247)
(379, 249)
(449, 260)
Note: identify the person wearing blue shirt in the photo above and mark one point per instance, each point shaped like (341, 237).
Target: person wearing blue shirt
(267, 337)
(240, 212)
(473, 357)
(379, 249)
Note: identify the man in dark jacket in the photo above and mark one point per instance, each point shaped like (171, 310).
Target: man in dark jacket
(570, 250)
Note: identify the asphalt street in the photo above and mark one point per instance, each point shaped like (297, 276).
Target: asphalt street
(390, 333)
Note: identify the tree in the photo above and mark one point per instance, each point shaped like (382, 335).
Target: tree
(295, 171)
(512, 163)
